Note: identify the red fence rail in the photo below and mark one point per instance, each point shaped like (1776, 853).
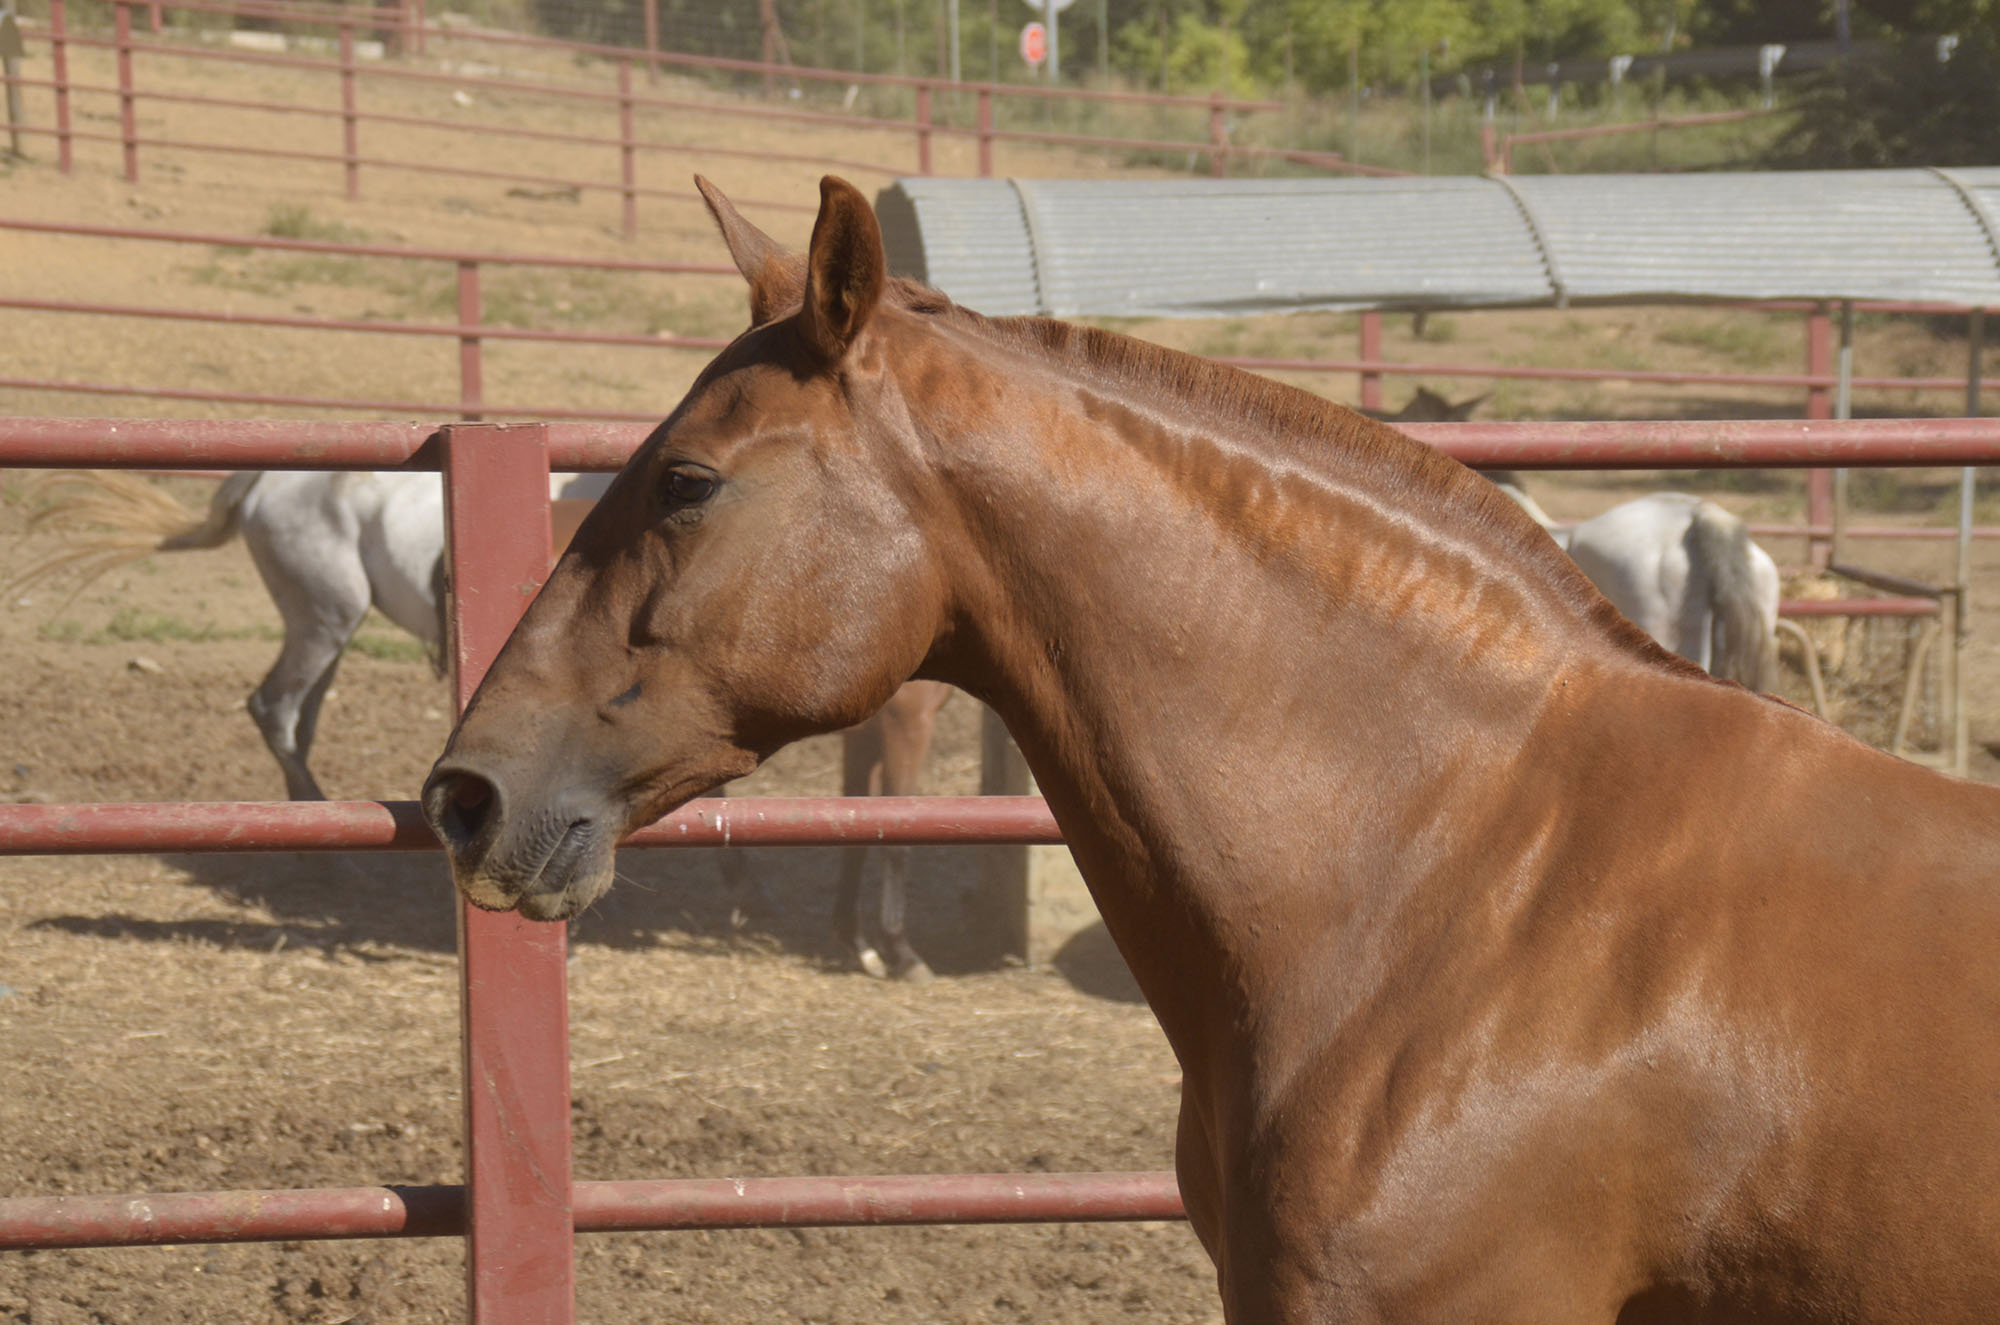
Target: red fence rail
(519, 1208)
(1818, 380)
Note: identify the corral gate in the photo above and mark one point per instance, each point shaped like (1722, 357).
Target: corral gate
(519, 1208)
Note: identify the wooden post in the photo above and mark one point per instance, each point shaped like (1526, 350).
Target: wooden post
(923, 128)
(350, 134)
(628, 150)
(1371, 352)
(513, 997)
(471, 386)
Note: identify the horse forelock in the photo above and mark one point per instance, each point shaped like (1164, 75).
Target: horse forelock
(1307, 432)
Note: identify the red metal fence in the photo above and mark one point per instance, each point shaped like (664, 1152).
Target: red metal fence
(1818, 381)
(519, 1208)
(128, 40)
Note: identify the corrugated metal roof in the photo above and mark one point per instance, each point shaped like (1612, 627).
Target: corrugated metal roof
(1194, 248)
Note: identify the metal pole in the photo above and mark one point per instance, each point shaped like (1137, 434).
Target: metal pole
(1104, 42)
(59, 64)
(1819, 405)
(1843, 409)
(1218, 137)
(1371, 352)
(1424, 76)
(1055, 46)
(350, 139)
(923, 128)
(128, 116)
(985, 109)
(471, 387)
(628, 150)
(951, 18)
(1968, 482)
(652, 41)
(520, 1246)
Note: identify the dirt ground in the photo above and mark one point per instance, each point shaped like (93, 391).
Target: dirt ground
(190, 1023)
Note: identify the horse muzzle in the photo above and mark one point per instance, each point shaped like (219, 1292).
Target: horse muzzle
(547, 856)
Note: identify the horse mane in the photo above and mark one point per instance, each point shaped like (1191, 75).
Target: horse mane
(1316, 430)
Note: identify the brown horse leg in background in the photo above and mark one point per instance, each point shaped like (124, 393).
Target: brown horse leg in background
(885, 757)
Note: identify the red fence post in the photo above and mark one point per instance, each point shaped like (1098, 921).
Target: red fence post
(652, 41)
(985, 132)
(420, 17)
(520, 1261)
(471, 386)
(1218, 138)
(128, 117)
(923, 128)
(59, 67)
(350, 136)
(628, 151)
(1371, 352)
(1819, 405)
(1489, 148)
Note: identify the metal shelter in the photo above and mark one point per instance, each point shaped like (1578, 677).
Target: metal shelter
(1209, 248)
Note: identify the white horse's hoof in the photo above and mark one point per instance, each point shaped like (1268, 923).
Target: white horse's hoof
(916, 973)
(871, 962)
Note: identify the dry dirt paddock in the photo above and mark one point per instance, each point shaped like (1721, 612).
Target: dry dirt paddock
(187, 1023)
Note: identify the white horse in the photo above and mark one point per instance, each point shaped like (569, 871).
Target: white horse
(1683, 570)
(328, 546)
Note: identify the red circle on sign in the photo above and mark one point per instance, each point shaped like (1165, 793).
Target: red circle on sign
(1034, 43)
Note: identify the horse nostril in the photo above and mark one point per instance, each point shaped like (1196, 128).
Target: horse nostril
(460, 807)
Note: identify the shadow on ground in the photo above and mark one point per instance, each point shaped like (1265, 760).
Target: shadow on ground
(378, 903)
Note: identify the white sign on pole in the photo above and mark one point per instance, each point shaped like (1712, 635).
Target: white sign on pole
(1052, 8)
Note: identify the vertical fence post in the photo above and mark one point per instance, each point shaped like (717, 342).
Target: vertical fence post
(652, 41)
(420, 18)
(128, 116)
(1218, 138)
(628, 150)
(520, 1249)
(985, 133)
(350, 136)
(59, 69)
(471, 386)
(155, 19)
(1819, 405)
(1371, 352)
(923, 128)
(1489, 148)
(1968, 480)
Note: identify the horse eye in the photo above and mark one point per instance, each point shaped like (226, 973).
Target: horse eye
(683, 487)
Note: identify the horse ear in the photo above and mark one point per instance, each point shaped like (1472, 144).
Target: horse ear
(777, 278)
(845, 269)
(1462, 411)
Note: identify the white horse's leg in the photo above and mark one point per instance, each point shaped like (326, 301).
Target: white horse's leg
(316, 579)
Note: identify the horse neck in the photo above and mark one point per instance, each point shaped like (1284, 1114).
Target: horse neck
(1196, 632)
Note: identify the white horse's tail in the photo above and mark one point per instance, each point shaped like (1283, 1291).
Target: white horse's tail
(1743, 646)
(108, 518)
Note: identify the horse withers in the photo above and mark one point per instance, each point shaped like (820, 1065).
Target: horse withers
(1518, 969)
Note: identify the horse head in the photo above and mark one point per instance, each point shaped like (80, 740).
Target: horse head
(756, 574)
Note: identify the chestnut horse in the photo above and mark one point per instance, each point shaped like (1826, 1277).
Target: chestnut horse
(1518, 969)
